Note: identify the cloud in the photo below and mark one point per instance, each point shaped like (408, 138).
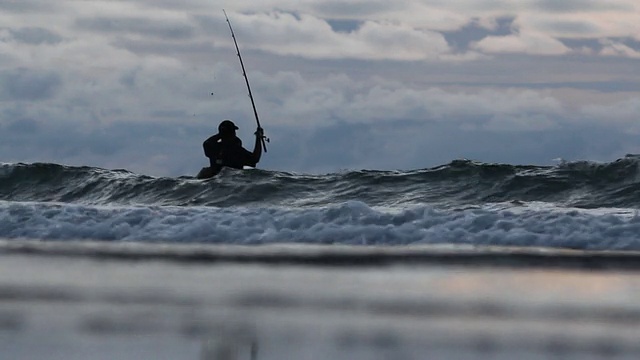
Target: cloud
(616, 48)
(312, 37)
(522, 42)
(344, 25)
(30, 36)
(28, 85)
(476, 30)
(401, 31)
(355, 7)
(573, 6)
(569, 27)
(624, 115)
(403, 144)
(27, 6)
(164, 29)
(14, 124)
(411, 27)
(116, 145)
(359, 84)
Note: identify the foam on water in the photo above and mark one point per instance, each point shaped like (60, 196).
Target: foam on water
(352, 223)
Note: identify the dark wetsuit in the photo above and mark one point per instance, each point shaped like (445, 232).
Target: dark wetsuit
(228, 153)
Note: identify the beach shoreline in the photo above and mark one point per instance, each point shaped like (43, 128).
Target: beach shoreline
(62, 300)
(337, 255)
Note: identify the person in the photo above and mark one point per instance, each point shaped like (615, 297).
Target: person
(225, 149)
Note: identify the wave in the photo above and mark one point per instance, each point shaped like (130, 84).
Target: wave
(350, 223)
(582, 184)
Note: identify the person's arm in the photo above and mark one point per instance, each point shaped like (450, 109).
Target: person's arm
(255, 156)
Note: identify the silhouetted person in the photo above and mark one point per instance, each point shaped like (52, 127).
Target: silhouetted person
(225, 149)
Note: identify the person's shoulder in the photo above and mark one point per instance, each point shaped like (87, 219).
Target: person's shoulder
(212, 139)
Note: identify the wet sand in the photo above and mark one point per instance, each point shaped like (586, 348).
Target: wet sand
(131, 301)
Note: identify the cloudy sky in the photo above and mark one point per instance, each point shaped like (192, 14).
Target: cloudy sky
(374, 84)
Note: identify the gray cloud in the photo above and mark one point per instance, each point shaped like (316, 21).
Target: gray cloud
(174, 148)
(570, 6)
(28, 6)
(22, 126)
(15, 123)
(192, 5)
(578, 44)
(473, 31)
(572, 27)
(630, 42)
(607, 86)
(344, 25)
(25, 84)
(159, 47)
(399, 144)
(315, 38)
(360, 8)
(129, 78)
(164, 29)
(119, 145)
(372, 87)
(35, 36)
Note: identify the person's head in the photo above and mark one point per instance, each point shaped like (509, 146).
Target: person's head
(227, 129)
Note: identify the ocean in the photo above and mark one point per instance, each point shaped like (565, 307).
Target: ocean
(576, 205)
(467, 260)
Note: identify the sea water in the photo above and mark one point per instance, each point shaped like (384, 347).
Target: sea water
(466, 260)
(581, 205)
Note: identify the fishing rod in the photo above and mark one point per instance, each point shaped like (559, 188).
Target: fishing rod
(244, 73)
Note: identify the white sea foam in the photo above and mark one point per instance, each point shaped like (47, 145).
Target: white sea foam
(352, 222)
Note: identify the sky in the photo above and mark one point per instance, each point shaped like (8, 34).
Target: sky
(339, 85)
